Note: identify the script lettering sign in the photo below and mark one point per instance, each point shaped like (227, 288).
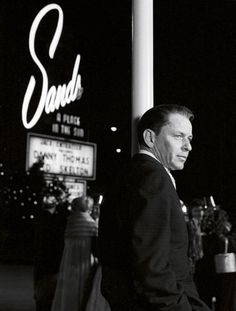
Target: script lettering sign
(52, 98)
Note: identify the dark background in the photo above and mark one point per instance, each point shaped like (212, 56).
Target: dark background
(195, 65)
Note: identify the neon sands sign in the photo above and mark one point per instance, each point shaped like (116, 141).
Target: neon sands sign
(56, 96)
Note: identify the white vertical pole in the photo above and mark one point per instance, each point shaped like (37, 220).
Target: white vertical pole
(142, 62)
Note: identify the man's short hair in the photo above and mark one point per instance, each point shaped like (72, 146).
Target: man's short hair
(156, 117)
(82, 204)
(196, 202)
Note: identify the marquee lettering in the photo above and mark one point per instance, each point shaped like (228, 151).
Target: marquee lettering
(56, 96)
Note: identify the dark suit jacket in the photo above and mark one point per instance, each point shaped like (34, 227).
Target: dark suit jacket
(144, 244)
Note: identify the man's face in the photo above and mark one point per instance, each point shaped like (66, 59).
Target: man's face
(197, 212)
(173, 143)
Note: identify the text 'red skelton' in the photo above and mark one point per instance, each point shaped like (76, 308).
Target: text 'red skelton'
(55, 97)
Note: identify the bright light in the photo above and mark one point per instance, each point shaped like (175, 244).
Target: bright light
(118, 150)
(113, 128)
(57, 96)
(100, 199)
(184, 209)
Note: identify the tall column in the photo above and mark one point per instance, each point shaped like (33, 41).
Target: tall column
(142, 62)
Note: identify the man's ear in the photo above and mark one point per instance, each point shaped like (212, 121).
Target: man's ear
(149, 137)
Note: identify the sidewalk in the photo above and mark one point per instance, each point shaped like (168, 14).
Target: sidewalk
(16, 287)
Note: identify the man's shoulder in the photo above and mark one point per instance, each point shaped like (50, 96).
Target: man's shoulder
(146, 170)
(145, 160)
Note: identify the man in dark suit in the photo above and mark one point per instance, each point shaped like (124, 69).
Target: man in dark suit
(142, 232)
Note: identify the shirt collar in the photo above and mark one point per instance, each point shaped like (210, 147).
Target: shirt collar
(143, 151)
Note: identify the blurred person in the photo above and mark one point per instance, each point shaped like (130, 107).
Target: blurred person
(214, 226)
(95, 213)
(196, 212)
(96, 300)
(75, 275)
(49, 230)
(226, 282)
(142, 230)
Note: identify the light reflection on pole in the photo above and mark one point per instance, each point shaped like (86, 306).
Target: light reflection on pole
(142, 62)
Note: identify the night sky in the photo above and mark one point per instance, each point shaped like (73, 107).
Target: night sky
(195, 65)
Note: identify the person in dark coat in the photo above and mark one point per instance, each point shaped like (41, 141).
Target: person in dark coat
(49, 230)
(142, 231)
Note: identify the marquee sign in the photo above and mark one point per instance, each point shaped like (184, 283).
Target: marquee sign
(62, 156)
(76, 187)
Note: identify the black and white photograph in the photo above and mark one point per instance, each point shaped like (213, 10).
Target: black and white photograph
(117, 155)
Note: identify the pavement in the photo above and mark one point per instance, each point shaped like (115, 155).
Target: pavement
(16, 287)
